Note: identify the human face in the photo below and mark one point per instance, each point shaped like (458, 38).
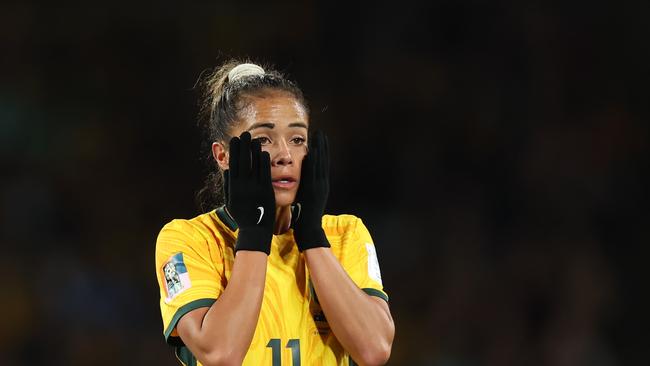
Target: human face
(280, 123)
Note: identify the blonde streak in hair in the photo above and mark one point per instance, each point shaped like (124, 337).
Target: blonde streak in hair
(216, 89)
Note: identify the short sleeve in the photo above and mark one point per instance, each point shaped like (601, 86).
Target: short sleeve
(359, 258)
(187, 276)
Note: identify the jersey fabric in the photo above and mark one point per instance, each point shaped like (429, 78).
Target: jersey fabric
(194, 261)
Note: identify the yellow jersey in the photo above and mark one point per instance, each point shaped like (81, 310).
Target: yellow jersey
(194, 261)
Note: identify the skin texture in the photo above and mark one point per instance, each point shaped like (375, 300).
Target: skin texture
(280, 122)
(221, 334)
(362, 323)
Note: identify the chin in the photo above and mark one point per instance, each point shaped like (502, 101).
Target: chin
(283, 199)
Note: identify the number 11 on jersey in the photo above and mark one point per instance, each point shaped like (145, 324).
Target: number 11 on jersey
(294, 344)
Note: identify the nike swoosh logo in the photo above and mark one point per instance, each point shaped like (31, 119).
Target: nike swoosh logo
(261, 214)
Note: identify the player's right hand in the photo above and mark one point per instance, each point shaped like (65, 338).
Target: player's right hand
(250, 199)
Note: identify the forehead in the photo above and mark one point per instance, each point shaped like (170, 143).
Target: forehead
(275, 107)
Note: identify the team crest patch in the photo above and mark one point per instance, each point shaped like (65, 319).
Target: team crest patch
(177, 279)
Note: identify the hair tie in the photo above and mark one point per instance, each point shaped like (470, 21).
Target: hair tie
(242, 70)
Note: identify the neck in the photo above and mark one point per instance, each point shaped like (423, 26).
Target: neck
(282, 220)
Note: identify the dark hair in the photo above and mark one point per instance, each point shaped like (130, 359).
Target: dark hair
(222, 102)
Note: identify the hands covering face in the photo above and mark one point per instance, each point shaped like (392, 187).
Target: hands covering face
(250, 198)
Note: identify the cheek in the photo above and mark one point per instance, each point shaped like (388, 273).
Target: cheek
(299, 153)
(298, 158)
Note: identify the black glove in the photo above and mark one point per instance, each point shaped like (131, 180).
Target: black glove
(250, 199)
(312, 195)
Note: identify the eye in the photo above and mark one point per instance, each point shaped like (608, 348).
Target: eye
(263, 140)
(298, 140)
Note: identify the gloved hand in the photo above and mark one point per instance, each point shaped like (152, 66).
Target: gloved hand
(312, 195)
(250, 199)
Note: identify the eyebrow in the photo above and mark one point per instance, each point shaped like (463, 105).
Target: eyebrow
(271, 125)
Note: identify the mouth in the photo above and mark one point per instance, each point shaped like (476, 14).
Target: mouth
(285, 182)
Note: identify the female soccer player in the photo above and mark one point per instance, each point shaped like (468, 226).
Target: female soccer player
(267, 278)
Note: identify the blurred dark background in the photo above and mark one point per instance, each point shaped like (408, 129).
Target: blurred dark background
(497, 150)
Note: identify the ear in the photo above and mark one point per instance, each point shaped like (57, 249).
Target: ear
(220, 154)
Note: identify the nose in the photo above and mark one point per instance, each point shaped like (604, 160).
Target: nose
(282, 155)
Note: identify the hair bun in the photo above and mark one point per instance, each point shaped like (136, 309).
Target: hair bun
(242, 70)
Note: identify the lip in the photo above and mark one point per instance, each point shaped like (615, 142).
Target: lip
(285, 185)
(284, 182)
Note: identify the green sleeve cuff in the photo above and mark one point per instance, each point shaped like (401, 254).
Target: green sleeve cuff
(185, 356)
(374, 292)
(200, 303)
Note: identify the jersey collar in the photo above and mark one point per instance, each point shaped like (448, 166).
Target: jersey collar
(225, 217)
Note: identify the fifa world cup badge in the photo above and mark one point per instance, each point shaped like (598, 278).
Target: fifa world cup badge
(176, 277)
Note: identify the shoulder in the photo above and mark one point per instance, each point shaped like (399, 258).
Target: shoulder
(343, 225)
(203, 228)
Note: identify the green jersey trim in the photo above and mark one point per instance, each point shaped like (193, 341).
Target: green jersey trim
(374, 292)
(225, 217)
(200, 303)
(185, 357)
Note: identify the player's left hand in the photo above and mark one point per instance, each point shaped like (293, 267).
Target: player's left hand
(312, 195)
